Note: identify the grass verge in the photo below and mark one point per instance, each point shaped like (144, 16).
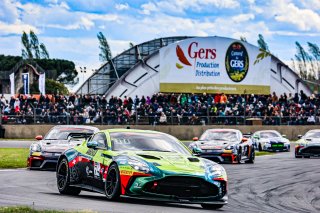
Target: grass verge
(264, 153)
(13, 158)
(26, 209)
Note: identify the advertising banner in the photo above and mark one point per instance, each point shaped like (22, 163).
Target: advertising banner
(25, 80)
(214, 65)
(42, 83)
(11, 76)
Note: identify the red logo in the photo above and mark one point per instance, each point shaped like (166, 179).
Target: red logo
(194, 52)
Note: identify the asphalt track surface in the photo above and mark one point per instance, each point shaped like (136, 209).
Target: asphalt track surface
(15, 143)
(277, 183)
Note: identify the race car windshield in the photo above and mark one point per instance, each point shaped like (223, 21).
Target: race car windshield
(132, 141)
(312, 135)
(219, 135)
(269, 134)
(65, 134)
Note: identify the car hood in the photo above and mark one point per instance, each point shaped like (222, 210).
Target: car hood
(312, 141)
(277, 139)
(172, 163)
(58, 146)
(214, 144)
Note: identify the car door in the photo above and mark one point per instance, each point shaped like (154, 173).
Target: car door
(99, 163)
(244, 147)
(89, 168)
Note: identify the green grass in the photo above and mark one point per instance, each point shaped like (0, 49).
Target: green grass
(26, 209)
(264, 153)
(13, 158)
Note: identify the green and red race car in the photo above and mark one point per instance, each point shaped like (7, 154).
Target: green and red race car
(141, 164)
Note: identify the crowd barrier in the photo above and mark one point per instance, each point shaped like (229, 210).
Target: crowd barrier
(155, 120)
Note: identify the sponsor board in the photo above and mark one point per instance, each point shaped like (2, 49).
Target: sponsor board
(213, 65)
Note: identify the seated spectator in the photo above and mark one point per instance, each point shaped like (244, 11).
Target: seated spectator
(163, 118)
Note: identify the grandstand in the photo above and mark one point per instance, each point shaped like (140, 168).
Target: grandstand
(137, 70)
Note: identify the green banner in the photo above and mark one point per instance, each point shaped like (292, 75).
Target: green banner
(214, 88)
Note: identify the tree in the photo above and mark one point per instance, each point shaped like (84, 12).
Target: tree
(242, 38)
(263, 49)
(34, 43)
(32, 46)
(314, 51)
(262, 44)
(44, 52)
(105, 51)
(26, 52)
(52, 87)
(302, 58)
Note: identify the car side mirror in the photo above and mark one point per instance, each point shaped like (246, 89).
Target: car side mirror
(195, 138)
(299, 136)
(196, 150)
(92, 144)
(244, 140)
(39, 137)
(284, 136)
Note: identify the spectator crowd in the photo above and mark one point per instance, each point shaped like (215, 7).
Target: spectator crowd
(193, 109)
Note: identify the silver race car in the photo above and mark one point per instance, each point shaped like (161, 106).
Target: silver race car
(270, 140)
(45, 152)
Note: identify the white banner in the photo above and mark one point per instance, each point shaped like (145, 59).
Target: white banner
(12, 91)
(42, 83)
(214, 64)
(25, 80)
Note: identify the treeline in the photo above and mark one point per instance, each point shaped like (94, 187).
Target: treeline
(306, 62)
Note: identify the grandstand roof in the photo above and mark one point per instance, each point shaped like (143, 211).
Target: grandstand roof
(101, 80)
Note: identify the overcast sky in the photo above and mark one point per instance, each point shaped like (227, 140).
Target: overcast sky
(69, 27)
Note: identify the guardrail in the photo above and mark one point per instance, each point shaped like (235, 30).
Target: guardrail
(136, 119)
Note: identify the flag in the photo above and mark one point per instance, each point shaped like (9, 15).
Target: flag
(25, 80)
(42, 83)
(12, 92)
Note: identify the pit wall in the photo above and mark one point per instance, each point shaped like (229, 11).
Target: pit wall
(181, 132)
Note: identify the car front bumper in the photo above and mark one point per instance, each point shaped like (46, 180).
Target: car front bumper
(39, 160)
(150, 188)
(312, 151)
(226, 156)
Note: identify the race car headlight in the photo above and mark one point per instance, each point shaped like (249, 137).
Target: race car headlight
(214, 169)
(230, 147)
(139, 165)
(217, 170)
(35, 148)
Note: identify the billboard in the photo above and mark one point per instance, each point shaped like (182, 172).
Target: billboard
(214, 65)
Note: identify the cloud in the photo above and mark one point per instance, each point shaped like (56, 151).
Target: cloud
(16, 28)
(285, 11)
(180, 6)
(122, 6)
(311, 4)
(60, 17)
(8, 11)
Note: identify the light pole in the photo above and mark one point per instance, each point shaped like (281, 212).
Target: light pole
(83, 72)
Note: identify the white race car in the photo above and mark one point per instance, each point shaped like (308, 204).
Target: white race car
(270, 140)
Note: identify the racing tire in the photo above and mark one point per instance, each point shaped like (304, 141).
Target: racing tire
(298, 156)
(239, 156)
(112, 184)
(306, 156)
(252, 157)
(212, 206)
(63, 179)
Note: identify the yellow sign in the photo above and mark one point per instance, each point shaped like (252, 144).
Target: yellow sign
(214, 88)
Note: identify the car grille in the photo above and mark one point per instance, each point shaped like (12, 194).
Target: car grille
(277, 145)
(311, 150)
(182, 187)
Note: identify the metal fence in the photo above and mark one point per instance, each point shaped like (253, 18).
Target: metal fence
(155, 120)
